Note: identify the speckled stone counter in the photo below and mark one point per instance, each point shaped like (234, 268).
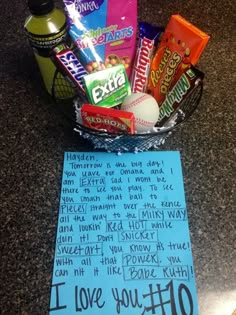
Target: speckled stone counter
(34, 136)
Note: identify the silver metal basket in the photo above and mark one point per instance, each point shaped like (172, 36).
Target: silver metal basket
(64, 95)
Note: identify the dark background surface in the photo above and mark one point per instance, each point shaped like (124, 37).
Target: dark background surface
(34, 137)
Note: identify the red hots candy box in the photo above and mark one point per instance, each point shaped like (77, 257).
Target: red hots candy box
(107, 119)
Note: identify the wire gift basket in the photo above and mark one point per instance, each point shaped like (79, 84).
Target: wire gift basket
(69, 104)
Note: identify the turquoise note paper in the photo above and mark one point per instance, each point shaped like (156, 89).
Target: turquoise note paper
(123, 243)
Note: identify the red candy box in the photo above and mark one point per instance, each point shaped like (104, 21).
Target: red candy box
(107, 119)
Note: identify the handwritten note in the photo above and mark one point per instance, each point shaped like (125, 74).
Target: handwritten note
(122, 243)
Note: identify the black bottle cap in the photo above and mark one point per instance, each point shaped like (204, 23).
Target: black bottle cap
(40, 7)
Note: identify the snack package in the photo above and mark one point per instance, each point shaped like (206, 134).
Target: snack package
(181, 46)
(104, 32)
(107, 88)
(148, 39)
(70, 66)
(179, 94)
(107, 119)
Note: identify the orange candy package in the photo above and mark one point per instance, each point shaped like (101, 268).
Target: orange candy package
(181, 46)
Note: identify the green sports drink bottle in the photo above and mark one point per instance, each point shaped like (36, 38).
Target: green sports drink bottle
(46, 28)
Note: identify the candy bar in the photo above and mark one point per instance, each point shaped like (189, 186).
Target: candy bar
(148, 38)
(71, 66)
(179, 94)
(107, 119)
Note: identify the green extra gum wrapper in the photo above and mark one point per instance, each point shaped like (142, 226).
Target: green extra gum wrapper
(107, 88)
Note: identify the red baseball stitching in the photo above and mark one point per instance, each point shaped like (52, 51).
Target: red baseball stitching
(136, 102)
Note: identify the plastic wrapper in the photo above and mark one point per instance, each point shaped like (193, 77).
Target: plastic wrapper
(181, 91)
(103, 31)
(147, 42)
(70, 66)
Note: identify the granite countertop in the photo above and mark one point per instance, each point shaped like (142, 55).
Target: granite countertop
(34, 136)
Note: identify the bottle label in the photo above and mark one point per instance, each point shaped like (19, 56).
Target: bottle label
(43, 44)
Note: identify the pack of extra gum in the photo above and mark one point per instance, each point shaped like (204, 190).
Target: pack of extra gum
(107, 88)
(107, 119)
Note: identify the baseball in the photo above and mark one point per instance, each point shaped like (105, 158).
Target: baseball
(145, 110)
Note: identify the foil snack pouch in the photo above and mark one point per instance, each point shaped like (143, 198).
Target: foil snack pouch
(181, 46)
(103, 31)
